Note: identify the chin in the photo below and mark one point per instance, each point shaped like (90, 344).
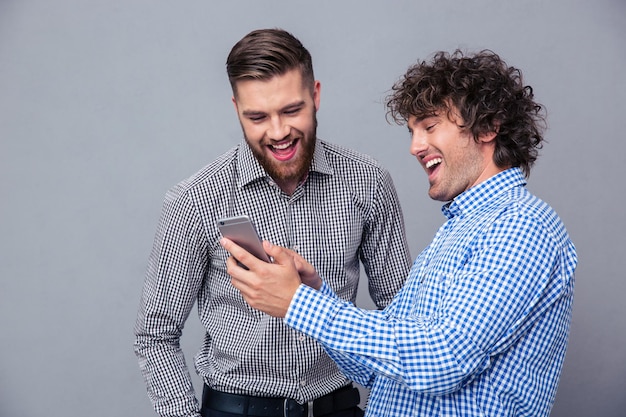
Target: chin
(438, 196)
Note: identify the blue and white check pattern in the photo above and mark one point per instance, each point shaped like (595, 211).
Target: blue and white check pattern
(480, 327)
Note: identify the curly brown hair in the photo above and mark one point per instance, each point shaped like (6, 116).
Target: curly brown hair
(488, 95)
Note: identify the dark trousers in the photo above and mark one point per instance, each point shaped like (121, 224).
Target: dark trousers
(352, 412)
(341, 403)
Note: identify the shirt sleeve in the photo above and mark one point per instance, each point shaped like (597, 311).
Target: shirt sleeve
(384, 251)
(175, 271)
(494, 297)
(311, 311)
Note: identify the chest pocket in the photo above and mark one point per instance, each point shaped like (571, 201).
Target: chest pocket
(442, 266)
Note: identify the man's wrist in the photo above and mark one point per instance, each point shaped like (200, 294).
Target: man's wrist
(310, 310)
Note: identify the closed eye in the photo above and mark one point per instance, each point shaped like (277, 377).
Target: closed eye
(292, 111)
(254, 116)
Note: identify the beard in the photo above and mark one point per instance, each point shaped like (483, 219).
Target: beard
(295, 169)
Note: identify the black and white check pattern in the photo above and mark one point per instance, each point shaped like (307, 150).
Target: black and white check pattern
(346, 211)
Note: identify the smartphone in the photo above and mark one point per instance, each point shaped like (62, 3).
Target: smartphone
(241, 230)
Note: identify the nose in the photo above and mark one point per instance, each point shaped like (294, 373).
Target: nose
(418, 143)
(278, 129)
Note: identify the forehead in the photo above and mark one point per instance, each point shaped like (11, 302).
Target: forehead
(278, 90)
(449, 114)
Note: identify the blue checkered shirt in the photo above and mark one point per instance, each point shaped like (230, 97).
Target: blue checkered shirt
(480, 327)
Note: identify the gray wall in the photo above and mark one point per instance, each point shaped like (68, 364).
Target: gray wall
(104, 104)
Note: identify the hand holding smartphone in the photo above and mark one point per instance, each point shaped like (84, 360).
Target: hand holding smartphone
(240, 230)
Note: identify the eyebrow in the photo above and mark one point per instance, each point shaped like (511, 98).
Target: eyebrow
(418, 120)
(249, 113)
(289, 106)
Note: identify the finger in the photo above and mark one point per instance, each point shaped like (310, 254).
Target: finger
(282, 256)
(232, 266)
(241, 278)
(239, 253)
(301, 266)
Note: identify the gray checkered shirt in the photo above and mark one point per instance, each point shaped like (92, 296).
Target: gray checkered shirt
(346, 211)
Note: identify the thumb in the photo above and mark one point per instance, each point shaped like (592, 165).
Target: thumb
(282, 256)
(303, 266)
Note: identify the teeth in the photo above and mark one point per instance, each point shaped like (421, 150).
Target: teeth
(433, 162)
(282, 146)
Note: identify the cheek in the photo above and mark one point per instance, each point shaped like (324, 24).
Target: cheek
(305, 123)
(253, 132)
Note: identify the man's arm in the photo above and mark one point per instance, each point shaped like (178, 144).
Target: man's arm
(434, 353)
(497, 296)
(175, 271)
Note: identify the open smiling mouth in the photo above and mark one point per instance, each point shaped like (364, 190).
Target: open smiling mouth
(284, 150)
(433, 164)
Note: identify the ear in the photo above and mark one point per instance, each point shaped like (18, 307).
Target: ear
(235, 104)
(490, 136)
(317, 89)
(487, 137)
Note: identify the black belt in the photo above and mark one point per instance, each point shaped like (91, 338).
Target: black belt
(341, 399)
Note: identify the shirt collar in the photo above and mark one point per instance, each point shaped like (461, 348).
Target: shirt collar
(481, 194)
(249, 169)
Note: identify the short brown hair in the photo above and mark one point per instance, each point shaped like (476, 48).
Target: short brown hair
(266, 53)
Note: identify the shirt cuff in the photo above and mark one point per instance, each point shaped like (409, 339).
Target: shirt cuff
(310, 310)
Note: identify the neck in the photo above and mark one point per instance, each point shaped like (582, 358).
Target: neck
(289, 186)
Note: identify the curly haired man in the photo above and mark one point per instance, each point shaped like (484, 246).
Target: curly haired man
(481, 326)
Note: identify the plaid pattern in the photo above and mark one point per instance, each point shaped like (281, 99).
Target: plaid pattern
(480, 327)
(345, 212)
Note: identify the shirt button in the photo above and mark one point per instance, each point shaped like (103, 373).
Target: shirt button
(301, 338)
(296, 248)
(303, 383)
